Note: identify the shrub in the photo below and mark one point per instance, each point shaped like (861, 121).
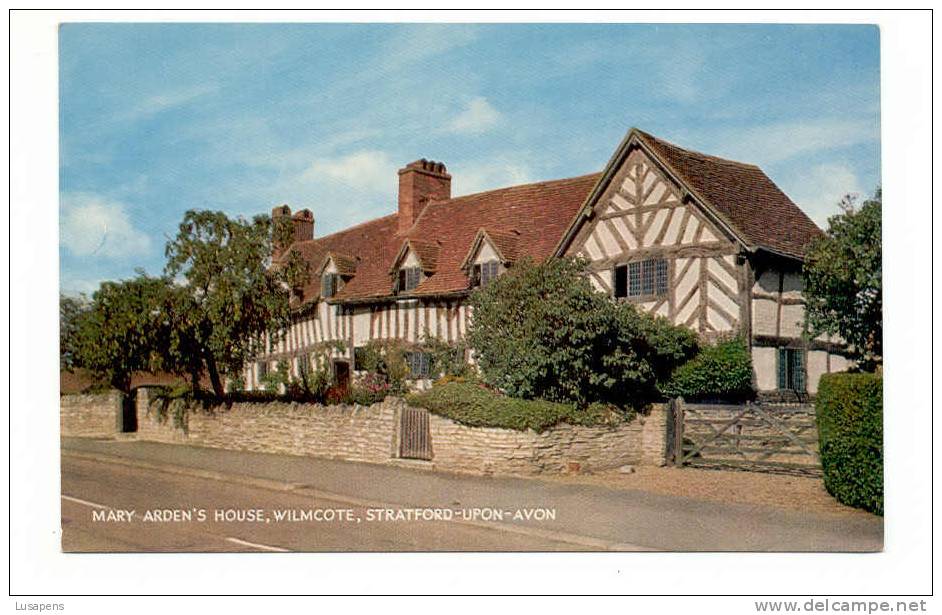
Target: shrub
(849, 409)
(720, 371)
(475, 405)
(312, 381)
(447, 359)
(369, 389)
(385, 358)
(276, 380)
(542, 331)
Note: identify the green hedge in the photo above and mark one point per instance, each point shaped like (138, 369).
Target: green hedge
(849, 410)
(721, 370)
(470, 403)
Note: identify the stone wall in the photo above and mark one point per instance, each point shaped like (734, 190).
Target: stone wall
(354, 433)
(564, 448)
(90, 416)
(370, 434)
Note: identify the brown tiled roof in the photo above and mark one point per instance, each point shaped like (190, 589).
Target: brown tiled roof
(535, 214)
(373, 242)
(742, 194)
(539, 212)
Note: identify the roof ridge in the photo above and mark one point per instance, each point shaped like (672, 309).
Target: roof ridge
(347, 229)
(495, 190)
(693, 152)
(526, 185)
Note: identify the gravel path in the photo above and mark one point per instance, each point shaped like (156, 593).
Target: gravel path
(780, 491)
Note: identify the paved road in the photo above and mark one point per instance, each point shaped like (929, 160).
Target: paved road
(100, 475)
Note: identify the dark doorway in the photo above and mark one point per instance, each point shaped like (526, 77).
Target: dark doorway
(342, 375)
(129, 412)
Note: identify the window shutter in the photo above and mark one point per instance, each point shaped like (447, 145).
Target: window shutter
(621, 281)
(782, 369)
(401, 281)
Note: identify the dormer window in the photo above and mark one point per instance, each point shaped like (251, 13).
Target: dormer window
(409, 278)
(330, 285)
(483, 273)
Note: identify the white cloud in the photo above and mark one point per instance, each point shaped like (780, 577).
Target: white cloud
(369, 170)
(94, 225)
(819, 191)
(477, 117)
(773, 143)
(168, 100)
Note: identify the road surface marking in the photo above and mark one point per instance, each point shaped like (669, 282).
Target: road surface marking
(263, 483)
(85, 502)
(246, 543)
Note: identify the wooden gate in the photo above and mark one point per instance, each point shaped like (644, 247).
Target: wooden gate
(779, 438)
(415, 441)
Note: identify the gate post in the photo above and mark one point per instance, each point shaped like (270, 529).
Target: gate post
(678, 444)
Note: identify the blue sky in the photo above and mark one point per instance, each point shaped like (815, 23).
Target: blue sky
(156, 119)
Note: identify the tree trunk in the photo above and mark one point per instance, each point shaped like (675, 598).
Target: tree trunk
(214, 378)
(195, 380)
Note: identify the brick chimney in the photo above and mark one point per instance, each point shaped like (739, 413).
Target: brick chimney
(420, 182)
(303, 225)
(282, 211)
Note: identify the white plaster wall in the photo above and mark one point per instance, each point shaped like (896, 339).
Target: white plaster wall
(817, 365)
(764, 364)
(361, 325)
(764, 313)
(410, 260)
(793, 319)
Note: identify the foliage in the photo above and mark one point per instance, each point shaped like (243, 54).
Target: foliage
(722, 370)
(843, 279)
(542, 331)
(849, 409)
(476, 405)
(122, 331)
(369, 389)
(313, 378)
(387, 359)
(230, 301)
(446, 359)
(71, 312)
(276, 380)
(236, 383)
(175, 402)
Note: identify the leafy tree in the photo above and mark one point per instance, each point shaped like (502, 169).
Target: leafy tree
(843, 279)
(71, 311)
(541, 331)
(121, 332)
(230, 301)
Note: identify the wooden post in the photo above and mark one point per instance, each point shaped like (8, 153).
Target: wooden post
(679, 432)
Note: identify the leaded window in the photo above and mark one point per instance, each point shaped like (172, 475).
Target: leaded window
(647, 278)
(409, 278)
(791, 369)
(330, 284)
(485, 273)
(418, 364)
